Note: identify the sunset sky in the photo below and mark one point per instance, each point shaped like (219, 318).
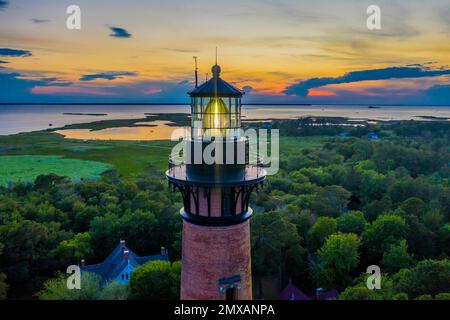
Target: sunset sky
(278, 51)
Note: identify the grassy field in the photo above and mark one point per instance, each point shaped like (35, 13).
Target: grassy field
(27, 168)
(129, 158)
(289, 143)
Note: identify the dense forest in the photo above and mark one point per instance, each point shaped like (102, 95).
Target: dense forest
(329, 213)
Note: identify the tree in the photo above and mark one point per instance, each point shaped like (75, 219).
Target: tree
(84, 216)
(49, 182)
(104, 234)
(276, 247)
(421, 240)
(444, 239)
(73, 250)
(414, 206)
(385, 231)
(26, 256)
(304, 222)
(351, 222)
(330, 201)
(156, 280)
(428, 277)
(372, 184)
(397, 257)
(56, 289)
(359, 291)
(115, 291)
(408, 187)
(316, 175)
(140, 231)
(279, 184)
(339, 256)
(3, 284)
(376, 208)
(424, 297)
(318, 233)
(91, 289)
(442, 296)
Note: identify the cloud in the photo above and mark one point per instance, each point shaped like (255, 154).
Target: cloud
(439, 94)
(3, 4)
(38, 21)
(112, 75)
(55, 82)
(302, 88)
(2, 62)
(141, 91)
(247, 89)
(13, 88)
(7, 52)
(119, 32)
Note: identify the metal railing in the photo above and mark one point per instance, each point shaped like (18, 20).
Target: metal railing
(177, 167)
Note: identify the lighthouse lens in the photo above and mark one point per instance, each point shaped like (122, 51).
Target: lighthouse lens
(216, 118)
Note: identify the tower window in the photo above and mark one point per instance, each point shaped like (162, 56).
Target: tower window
(230, 294)
(227, 203)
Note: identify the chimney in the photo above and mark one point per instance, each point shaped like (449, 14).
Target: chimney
(319, 293)
(126, 254)
(163, 251)
(83, 263)
(122, 243)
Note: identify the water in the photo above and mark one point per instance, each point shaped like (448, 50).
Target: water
(26, 118)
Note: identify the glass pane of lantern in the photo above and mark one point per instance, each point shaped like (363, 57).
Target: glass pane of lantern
(233, 108)
(233, 120)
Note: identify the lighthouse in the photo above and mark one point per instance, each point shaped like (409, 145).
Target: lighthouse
(216, 174)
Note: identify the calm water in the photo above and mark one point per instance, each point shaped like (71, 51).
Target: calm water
(25, 118)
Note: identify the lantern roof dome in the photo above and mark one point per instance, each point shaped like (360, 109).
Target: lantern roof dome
(216, 87)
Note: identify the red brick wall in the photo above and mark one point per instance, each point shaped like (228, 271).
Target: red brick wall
(239, 208)
(211, 253)
(216, 202)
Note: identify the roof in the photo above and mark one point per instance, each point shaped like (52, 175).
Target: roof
(291, 292)
(332, 294)
(216, 87)
(116, 262)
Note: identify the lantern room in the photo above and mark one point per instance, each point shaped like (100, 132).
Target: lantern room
(216, 109)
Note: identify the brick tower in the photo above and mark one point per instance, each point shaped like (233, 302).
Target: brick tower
(216, 174)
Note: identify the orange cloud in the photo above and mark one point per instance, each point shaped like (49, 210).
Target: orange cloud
(321, 93)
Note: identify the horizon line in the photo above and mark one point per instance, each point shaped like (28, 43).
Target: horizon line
(244, 104)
